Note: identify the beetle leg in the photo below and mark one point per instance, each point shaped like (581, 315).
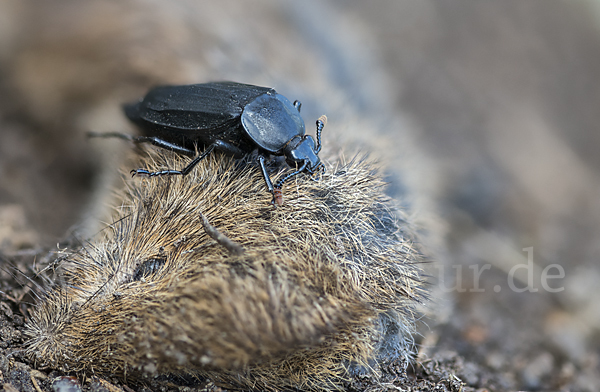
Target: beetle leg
(164, 144)
(323, 169)
(320, 124)
(146, 139)
(181, 172)
(228, 148)
(261, 160)
(320, 168)
(284, 179)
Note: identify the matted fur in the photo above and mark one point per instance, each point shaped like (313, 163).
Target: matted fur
(311, 298)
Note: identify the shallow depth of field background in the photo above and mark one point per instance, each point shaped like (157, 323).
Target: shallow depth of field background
(486, 115)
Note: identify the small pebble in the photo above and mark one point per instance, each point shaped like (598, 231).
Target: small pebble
(66, 384)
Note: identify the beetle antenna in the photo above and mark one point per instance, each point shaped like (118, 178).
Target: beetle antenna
(284, 179)
(320, 124)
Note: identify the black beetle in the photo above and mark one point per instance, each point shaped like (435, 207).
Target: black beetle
(234, 118)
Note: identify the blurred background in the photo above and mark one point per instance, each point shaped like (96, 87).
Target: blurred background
(484, 114)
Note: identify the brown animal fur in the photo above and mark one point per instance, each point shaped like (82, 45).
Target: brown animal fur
(310, 299)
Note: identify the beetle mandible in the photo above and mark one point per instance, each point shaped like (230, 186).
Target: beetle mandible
(230, 117)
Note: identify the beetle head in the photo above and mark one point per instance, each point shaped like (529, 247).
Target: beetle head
(301, 150)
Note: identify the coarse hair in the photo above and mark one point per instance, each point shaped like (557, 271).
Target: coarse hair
(325, 286)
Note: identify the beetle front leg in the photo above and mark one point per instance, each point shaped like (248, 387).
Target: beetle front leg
(276, 191)
(320, 168)
(261, 161)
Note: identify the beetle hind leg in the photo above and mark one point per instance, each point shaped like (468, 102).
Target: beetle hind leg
(182, 172)
(145, 139)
